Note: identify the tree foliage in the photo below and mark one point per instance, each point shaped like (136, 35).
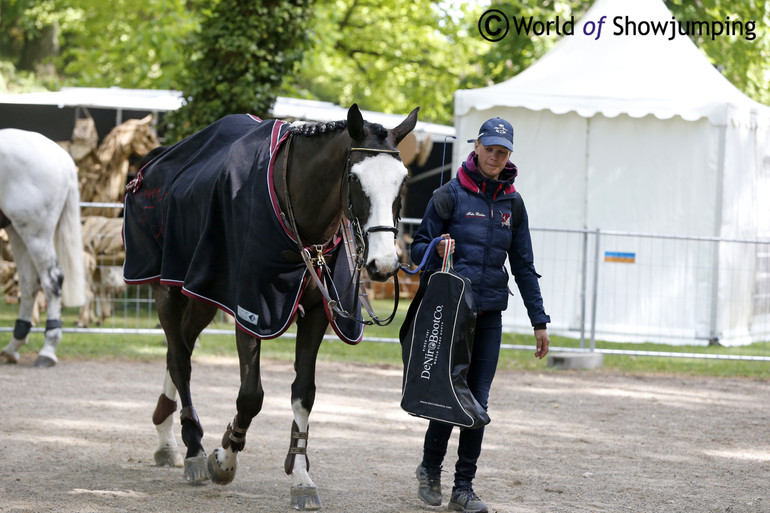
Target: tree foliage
(509, 57)
(388, 55)
(744, 62)
(239, 59)
(99, 44)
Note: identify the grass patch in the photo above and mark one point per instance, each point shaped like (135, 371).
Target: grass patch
(152, 347)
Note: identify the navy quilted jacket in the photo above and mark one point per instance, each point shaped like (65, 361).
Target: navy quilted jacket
(489, 223)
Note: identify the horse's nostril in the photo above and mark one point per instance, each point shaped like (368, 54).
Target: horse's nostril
(380, 272)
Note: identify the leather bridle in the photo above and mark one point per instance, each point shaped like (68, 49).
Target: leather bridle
(317, 264)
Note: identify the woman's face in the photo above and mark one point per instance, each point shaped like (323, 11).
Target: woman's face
(492, 159)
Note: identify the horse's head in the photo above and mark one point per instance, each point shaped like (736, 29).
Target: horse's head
(375, 178)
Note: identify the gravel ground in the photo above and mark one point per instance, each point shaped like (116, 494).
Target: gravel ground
(78, 438)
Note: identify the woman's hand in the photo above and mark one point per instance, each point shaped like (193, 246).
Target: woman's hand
(541, 336)
(441, 246)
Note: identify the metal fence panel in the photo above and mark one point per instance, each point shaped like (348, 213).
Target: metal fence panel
(613, 286)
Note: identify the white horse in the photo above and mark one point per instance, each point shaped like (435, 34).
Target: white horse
(40, 210)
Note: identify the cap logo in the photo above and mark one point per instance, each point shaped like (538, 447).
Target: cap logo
(500, 129)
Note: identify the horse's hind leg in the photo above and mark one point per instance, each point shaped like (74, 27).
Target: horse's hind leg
(38, 261)
(183, 320)
(28, 287)
(310, 331)
(223, 462)
(167, 453)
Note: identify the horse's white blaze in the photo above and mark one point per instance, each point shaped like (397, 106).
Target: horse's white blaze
(381, 178)
(299, 474)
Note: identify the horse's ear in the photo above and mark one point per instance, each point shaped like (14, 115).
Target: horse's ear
(406, 126)
(356, 123)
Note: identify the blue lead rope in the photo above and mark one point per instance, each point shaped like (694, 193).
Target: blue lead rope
(425, 257)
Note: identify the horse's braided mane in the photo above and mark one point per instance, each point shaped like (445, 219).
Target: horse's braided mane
(311, 129)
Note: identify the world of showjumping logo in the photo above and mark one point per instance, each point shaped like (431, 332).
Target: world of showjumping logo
(494, 25)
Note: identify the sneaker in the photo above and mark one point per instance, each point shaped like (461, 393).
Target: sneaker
(465, 499)
(429, 485)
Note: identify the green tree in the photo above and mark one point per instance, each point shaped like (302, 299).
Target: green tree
(509, 57)
(743, 59)
(239, 59)
(126, 43)
(388, 55)
(97, 43)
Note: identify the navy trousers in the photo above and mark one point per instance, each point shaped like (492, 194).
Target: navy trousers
(481, 372)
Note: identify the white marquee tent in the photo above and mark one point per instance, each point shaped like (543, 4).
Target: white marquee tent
(639, 134)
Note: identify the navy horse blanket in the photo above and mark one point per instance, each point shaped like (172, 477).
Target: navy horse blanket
(203, 215)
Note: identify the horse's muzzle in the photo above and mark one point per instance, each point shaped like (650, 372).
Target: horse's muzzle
(379, 272)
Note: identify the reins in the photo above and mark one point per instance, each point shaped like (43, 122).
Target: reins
(317, 265)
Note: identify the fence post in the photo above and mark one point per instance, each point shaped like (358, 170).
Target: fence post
(583, 284)
(595, 291)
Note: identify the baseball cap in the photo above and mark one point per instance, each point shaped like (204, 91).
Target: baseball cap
(496, 131)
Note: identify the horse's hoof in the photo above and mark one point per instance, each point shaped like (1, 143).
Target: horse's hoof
(195, 471)
(168, 457)
(305, 498)
(44, 362)
(220, 475)
(6, 357)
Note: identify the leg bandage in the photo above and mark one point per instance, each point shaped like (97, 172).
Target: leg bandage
(52, 324)
(21, 329)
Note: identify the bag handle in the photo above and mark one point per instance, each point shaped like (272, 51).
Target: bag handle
(446, 263)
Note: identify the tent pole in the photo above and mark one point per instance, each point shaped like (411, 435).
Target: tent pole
(583, 295)
(713, 321)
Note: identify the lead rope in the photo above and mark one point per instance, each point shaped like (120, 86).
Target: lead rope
(437, 239)
(425, 257)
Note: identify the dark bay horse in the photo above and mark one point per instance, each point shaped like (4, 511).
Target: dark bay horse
(321, 178)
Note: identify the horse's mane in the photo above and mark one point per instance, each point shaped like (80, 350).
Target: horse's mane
(311, 129)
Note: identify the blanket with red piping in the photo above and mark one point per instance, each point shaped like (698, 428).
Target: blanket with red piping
(203, 215)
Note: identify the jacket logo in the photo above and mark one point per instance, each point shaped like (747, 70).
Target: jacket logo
(478, 215)
(506, 220)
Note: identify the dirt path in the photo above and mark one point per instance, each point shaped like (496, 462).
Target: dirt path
(78, 438)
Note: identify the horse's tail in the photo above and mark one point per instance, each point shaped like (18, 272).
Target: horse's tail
(69, 247)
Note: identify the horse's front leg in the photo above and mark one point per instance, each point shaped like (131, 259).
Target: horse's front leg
(223, 462)
(310, 331)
